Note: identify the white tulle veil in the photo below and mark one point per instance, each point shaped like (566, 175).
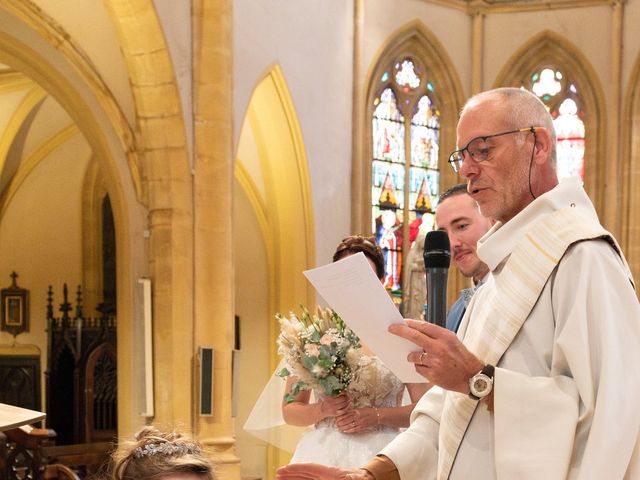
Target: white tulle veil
(265, 420)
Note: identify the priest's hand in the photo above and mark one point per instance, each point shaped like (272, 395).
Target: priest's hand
(314, 471)
(443, 360)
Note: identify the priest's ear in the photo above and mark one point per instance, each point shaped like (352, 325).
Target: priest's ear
(543, 150)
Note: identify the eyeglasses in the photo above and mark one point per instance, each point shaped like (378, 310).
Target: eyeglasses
(478, 149)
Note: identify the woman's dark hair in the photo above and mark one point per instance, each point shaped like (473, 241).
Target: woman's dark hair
(367, 245)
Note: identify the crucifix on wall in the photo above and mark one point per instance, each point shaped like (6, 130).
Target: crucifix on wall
(14, 308)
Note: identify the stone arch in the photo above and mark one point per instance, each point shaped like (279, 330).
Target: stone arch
(549, 48)
(93, 191)
(631, 172)
(29, 104)
(287, 190)
(34, 44)
(32, 162)
(168, 195)
(271, 169)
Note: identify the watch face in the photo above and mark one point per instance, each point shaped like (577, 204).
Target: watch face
(481, 385)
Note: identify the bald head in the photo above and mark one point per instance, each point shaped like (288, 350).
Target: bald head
(520, 107)
(512, 156)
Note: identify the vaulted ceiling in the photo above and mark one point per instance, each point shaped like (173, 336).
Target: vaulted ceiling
(32, 126)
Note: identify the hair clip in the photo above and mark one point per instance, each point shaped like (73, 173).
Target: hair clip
(165, 449)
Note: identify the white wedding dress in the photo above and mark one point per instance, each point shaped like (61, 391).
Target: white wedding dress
(373, 385)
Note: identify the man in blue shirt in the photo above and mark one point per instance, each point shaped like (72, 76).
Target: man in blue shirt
(458, 215)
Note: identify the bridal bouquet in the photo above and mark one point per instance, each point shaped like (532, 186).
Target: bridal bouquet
(320, 349)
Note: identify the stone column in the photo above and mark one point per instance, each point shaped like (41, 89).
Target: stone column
(167, 192)
(360, 207)
(477, 50)
(213, 269)
(612, 192)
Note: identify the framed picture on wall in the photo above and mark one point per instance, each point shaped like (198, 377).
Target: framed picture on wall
(14, 308)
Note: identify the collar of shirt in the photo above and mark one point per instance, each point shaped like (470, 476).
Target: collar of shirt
(467, 293)
(481, 281)
(496, 245)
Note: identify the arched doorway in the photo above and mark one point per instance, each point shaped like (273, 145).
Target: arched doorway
(65, 118)
(274, 242)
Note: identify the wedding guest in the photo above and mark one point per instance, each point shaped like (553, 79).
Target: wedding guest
(350, 428)
(459, 215)
(157, 455)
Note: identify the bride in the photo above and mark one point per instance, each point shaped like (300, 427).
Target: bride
(351, 428)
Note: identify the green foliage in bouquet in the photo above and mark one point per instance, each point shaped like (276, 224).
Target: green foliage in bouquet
(319, 349)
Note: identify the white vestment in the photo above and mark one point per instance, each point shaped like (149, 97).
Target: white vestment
(566, 389)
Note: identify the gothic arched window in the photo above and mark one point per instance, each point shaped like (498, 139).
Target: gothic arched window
(404, 168)
(563, 101)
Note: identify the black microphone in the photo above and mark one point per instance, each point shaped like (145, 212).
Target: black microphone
(437, 257)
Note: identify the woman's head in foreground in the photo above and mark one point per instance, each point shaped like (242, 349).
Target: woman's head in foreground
(156, 455)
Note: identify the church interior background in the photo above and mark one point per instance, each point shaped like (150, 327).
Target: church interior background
(168, 168)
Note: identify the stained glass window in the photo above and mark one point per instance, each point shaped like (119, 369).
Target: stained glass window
(388, 129)
(563, 102)
(570, 133)
(406, 75)
(405, 175)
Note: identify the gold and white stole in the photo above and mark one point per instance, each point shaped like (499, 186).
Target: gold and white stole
(497, 320)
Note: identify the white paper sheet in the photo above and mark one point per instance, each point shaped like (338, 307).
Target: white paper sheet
(351, 288)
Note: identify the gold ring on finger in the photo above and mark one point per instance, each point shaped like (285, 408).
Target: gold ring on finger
(423, 355)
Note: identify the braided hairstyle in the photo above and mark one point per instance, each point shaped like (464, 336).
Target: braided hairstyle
(155, 455)
(367, 245)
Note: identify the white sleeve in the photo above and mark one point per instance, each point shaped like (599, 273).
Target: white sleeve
(535, 422)
(582, 422)
(415, 451)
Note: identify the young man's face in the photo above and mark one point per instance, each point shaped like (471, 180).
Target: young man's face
(460, 217)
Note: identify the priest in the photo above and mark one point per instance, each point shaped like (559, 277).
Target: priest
(540, 382)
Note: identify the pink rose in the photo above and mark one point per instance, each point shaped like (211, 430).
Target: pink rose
(312, 350)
